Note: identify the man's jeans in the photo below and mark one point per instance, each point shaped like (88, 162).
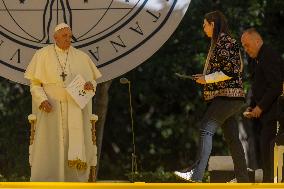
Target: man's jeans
(221, 112)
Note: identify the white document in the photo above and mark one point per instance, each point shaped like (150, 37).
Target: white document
(76, 90)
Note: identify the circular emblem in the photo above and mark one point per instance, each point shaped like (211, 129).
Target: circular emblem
(117, 34)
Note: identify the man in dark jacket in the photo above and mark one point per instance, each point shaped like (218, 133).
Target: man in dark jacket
(266, 88)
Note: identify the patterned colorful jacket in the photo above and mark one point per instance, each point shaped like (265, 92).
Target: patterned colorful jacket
(225, 57)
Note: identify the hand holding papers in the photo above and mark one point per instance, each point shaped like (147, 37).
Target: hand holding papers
(88, 86)
(76, 90)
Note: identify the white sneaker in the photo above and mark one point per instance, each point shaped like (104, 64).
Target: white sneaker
(234, 180)
(187, 176)
(258, 175)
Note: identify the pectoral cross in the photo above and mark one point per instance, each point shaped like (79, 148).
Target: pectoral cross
(63, 75)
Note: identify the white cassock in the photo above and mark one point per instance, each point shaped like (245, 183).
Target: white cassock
(62, 149)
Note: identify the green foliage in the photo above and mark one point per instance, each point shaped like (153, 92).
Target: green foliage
(14, 178)
(14, 129)
(153, 177)
(158, 177)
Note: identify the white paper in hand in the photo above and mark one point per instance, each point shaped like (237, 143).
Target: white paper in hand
(76, 90)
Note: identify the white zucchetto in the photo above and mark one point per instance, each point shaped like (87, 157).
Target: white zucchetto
(61, 26)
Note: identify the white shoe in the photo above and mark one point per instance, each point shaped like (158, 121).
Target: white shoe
(258, 175)
(234, 180)
(187, 176)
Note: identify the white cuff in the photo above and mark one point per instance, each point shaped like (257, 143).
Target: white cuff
(38, 93)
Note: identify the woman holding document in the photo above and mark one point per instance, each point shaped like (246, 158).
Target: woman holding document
(223, 90)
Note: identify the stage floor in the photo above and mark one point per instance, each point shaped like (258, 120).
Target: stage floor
(35, 185)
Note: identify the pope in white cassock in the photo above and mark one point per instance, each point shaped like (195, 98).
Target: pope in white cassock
(62, 149)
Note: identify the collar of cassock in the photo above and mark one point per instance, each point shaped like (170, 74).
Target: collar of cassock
(61, 50)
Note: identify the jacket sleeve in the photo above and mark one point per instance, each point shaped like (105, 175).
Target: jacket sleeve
(37, 92)
(96, 73)
(228, 56)
(272, 73)
(252, 102)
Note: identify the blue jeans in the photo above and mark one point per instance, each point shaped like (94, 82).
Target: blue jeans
(221, 113)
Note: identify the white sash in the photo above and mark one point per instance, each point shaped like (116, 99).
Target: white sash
(76, 150)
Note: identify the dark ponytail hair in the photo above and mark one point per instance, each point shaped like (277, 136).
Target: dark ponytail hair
(220, 24)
